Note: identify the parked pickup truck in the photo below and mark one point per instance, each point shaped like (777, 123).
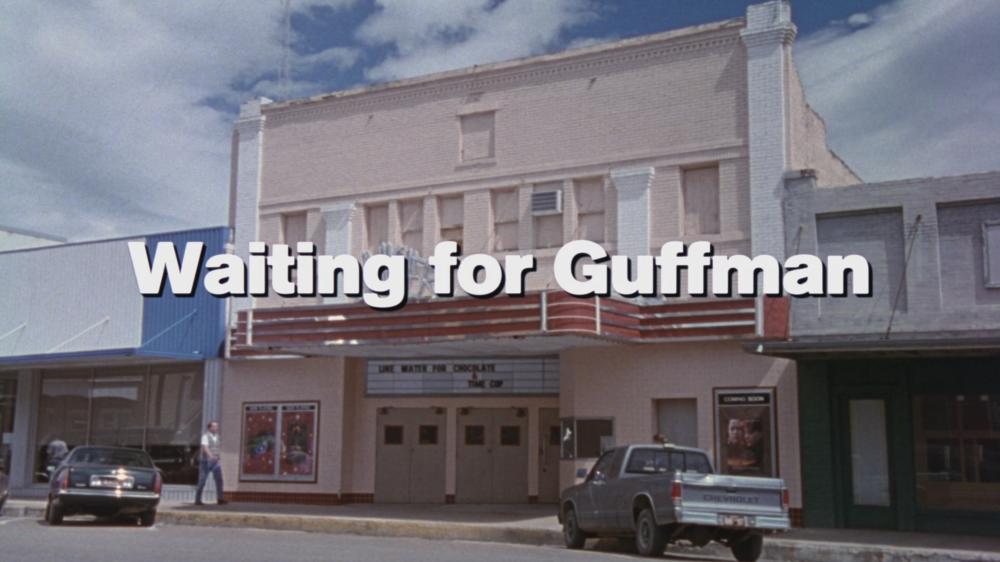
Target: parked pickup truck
(661, 494)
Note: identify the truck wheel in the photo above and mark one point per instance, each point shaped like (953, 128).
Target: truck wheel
(148, 518)
(572, 535)
(650, 539)
(54, 513)
(748, 548)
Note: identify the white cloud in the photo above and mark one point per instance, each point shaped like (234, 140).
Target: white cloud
(104, 127)
(859, 20)
(435, 35)
(913, 92)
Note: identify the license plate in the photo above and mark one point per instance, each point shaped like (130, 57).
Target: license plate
(726, 520)
(116, 482)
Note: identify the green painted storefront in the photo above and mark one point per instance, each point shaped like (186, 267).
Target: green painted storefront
(910, 444)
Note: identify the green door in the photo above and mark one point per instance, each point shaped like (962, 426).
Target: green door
(866, 459)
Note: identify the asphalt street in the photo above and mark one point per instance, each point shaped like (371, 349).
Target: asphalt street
(83, 540)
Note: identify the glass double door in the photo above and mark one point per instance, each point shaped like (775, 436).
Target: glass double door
(866, 459)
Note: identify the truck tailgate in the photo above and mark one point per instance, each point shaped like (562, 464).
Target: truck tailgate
(732, 501)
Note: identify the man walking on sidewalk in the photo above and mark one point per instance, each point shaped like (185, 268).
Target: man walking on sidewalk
(210, 463)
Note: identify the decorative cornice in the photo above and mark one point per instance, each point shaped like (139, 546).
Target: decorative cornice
(783, 35)
(500, 77)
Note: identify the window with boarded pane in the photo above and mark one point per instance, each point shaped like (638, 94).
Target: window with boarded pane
(991, 253)
(293, 229)
(701, 200)
(377, 225)
(411, 223)
(589, 195)
(451, 217)
(505, 220)
(477, 140)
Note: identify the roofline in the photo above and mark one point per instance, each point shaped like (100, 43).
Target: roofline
(93, 355)
(923, 179)
(511, 64)
(844, 347)
(117, 239)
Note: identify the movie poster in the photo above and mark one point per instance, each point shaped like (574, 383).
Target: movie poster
(279, 441)
(298, 440)
(260, 428)
(745, 441)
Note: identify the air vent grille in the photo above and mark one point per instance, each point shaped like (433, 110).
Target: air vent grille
(546, 202)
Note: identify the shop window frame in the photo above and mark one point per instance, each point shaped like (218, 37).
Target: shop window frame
(281, 408)
(482, 435)
(516, 433)
(436, 434)
(991, 230)
(90, 375)
(571, 452)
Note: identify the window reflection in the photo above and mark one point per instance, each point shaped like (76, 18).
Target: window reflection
(153, 408)
(173, 423)
(117, 404)
(957, 445)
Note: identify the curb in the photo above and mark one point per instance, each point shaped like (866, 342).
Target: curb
(367, 527)
(775, 549)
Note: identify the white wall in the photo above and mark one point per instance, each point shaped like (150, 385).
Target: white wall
(81, 294)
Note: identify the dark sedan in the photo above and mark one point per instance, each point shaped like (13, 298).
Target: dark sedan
(107, 482)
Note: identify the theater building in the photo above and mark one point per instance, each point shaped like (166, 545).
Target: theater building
(899, 399)
(683, 135)
(85, 359)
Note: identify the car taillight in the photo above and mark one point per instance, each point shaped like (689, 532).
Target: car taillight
(785, 501)
(64, 479)
(157, 483)
(675, 492)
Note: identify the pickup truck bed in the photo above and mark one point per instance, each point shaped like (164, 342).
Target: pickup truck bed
(662, 494)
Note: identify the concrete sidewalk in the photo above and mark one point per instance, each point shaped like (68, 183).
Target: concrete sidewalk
(537, 525)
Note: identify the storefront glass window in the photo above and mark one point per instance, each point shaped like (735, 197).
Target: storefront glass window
(957, 445)
(173, 422)
(117, 404)
(586, 438)
(63, 414)
(153, 408)
(8, 396)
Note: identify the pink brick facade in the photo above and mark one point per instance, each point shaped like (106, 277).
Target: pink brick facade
(656, 105)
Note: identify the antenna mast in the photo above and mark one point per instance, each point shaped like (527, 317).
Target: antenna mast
(286, 34)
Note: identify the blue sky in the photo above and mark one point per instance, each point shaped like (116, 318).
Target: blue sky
(117, 114)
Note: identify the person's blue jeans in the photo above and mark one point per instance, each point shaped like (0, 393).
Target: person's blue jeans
(205, 467)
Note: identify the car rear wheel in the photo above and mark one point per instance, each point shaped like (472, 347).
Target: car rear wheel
(572, 535)
(650, 538)
(54, 512)
(748, 548)
(147, 519)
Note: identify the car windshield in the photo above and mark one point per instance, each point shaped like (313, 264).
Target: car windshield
(112, 457)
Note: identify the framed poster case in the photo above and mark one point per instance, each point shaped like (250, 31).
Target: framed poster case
(279, 442)
(746, 441)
